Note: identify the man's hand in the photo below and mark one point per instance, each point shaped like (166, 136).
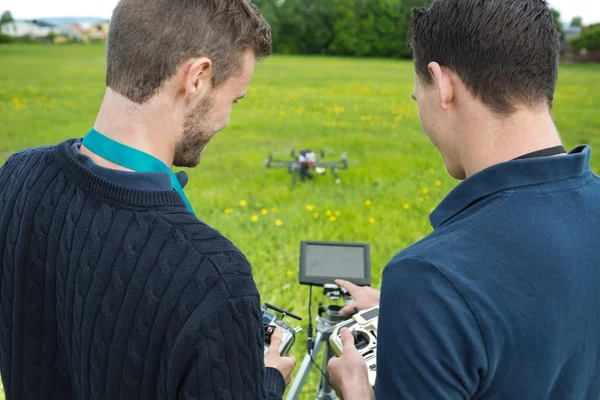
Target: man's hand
(348, 373)
(286, 364)
(364, 297)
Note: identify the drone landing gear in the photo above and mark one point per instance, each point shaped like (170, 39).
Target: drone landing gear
(303, 175)
(336, 175)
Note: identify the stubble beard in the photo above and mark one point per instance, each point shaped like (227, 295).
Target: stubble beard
(197, 132)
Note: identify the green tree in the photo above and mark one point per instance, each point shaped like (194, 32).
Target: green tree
(364, 28)
(556, 15)
(593, 26)
(589, 39)
(577, 21)
(6, 17)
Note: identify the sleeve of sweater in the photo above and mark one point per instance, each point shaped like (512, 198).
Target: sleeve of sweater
(429, 342)
(226, 360)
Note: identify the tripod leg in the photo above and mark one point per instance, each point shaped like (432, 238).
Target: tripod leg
(326, 392)
(304, 370)
(298, 383)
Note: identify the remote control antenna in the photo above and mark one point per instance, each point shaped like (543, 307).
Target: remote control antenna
(282, 311)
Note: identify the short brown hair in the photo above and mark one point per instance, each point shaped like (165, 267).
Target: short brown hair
(149, 39)
(505, 51)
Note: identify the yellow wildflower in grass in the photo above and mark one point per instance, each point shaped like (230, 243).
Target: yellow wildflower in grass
(316, 215)
(278, 222)
(264, 211)
(338, 110)
(254, 218)
(328, 213)
(228, 210)
(372, 220)
(406, 206)
(273, 209)
(438, 183)
(289, 273)
(337, 213)
(17, 104)
(421, 199)
(281, 113)
(332, 218)
(243, 203)
(425, 190)
(367, 203)
(310, 207)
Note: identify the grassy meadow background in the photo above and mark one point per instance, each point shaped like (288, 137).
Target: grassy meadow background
(52, 93)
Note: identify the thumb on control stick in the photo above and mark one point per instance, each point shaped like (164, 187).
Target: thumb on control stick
(276, 339)
(347, 339)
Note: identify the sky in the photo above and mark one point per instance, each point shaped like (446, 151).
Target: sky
(589, 10)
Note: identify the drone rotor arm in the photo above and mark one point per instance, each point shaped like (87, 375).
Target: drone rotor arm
(280, 163)
(331, 164)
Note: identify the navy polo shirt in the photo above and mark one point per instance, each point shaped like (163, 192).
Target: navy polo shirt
(502, 300)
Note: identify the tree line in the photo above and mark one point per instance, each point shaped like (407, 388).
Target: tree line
(361, 28)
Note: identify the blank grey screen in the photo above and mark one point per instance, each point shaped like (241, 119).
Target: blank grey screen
(335, 261)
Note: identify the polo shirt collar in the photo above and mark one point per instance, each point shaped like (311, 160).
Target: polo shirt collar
(510, 175)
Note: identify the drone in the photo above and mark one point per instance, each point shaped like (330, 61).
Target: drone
(305, 164)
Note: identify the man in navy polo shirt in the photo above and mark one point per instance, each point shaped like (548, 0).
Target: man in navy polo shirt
(502, 300)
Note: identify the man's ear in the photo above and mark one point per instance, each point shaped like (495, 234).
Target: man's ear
(198, 78)
(443, 83)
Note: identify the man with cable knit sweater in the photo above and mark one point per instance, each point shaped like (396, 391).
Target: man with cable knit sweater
(111, 286)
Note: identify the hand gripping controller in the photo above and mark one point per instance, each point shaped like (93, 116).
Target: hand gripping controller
(270, 323)
(364, 329)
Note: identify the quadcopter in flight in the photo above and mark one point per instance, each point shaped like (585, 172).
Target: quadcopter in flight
(305, 164)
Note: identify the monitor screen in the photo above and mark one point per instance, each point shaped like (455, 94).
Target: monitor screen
(323, 262)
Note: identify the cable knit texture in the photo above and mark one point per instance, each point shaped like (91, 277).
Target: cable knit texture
(109, 292)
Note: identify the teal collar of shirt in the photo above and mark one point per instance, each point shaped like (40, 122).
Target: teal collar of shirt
(511, 175)
(139, 180)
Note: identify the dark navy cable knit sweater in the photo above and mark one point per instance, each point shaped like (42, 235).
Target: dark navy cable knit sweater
(112, 291)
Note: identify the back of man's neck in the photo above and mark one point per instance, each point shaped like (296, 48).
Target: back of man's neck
(508, 139)
(136, 126)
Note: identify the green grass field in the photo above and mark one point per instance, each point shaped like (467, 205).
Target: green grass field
(51, 93)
